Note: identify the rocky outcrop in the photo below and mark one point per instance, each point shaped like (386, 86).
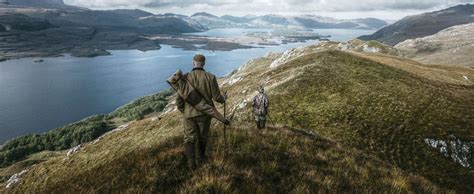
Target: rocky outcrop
(452, 46)
(454, 148)
(15, 179)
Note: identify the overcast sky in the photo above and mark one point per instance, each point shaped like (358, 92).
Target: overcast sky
(384, 9)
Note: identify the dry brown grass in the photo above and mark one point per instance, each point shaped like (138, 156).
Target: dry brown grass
(275, 160)
(437, 73)
(369, 119)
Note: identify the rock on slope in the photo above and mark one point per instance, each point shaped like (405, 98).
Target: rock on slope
(423, 25)
(452, 46)
(340, 121)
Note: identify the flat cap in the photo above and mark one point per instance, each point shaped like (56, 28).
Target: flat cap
(199, 58)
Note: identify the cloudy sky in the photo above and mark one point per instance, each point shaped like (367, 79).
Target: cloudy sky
(384, 9)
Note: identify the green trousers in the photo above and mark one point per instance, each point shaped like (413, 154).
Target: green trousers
(196, 129)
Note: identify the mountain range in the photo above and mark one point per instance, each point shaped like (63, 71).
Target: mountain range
(280, 21)
(25, 26)
(422, 25)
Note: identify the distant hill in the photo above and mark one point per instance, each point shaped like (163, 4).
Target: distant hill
(26, 25)
(136, 13)
(211, 21)
(21, 22)
(422, 25)
(42, 4)
(280, 21)
(204, 14)
(60, 14)
(451, 46)
(237, 19)
(122, 20)
(364, 122)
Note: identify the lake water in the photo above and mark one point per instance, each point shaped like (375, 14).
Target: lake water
(37, 97)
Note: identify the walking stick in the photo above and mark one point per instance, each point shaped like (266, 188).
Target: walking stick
(225, 126)
(271, 120)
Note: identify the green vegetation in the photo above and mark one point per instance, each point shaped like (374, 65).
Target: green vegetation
(143, 106)
(58, 139)
(81, 132)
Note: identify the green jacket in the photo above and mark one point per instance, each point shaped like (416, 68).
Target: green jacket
(206, 84)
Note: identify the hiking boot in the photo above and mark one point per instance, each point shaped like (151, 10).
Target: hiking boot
(202, 152)
(189, 151)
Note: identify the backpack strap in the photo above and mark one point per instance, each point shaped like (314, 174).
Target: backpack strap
(185, 78)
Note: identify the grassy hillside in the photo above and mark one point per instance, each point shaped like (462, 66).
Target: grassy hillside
(381, 110)
(342, 121)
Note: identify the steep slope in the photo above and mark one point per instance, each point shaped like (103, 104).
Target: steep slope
(422, 25)
(452, 46)
(341, 121)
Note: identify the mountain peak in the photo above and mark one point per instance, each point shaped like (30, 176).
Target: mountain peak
(203, 14)
(467, 6)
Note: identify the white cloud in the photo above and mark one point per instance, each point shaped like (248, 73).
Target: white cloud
(391, 8)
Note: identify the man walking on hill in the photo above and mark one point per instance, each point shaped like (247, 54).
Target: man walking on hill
(196, 123)
(260, 107)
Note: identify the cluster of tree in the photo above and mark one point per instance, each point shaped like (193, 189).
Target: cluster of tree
(144, 106)
(80, 132)
(57, 139)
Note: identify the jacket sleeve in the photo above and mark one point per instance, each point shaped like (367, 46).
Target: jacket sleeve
(180, 103)
(216, 92)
